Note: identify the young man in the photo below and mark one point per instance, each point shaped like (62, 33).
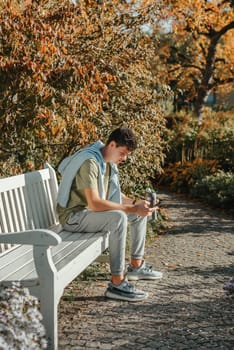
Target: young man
(90, 200)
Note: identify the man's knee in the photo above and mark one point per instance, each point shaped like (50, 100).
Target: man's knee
(119, 218)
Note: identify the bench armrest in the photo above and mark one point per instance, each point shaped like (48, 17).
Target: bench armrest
(40, 237)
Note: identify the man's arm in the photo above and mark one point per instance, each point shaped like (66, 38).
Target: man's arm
(96, 203)
(138, 202)
(127, 200)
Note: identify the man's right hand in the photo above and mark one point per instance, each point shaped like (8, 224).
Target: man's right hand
(142, 208)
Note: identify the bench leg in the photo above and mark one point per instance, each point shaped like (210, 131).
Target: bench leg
(49, 311)
(49, 297)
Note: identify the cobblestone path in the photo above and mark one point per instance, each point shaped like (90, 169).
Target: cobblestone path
(187, 309)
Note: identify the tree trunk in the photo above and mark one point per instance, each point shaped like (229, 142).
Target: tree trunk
(205, 85)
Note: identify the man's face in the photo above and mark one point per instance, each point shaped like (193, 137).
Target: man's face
(118, 154)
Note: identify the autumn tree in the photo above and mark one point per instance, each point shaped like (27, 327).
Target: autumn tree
(72, 71)
(198, 48)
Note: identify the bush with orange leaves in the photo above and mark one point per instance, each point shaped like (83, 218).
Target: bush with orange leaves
(180, 177)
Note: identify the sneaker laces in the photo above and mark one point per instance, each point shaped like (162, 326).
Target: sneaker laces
(125, 284)
(145, 267)
(129, 285)
(148, 268)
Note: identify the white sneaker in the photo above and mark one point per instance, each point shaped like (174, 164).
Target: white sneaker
(144, 272)
(125, 291)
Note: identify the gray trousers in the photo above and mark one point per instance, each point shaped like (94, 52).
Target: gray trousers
(116, 222)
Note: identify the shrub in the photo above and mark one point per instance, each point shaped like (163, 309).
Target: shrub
(181, 177)
(213, 139)
(70, 73)
(216, 189)
(20, 320)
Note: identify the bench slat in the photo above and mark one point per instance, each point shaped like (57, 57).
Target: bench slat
(70, 242)
(22, 180)
(51, 206)
(21, 267)
(19, 209)
(81, 241)
(27, 202)
(59, 252)
(23, 255)
(26, 274)
(4, 257)
(9, 224)
(83, 257)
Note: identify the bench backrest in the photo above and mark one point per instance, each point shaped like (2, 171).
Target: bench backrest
(28, 201)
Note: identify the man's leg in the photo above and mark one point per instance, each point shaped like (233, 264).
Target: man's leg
(138, 269)
(137, 235)
(116, 223)
(113, 221)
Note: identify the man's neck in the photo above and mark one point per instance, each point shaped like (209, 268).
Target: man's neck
(103, 151)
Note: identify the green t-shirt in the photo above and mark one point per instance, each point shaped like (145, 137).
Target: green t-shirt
(87, 178)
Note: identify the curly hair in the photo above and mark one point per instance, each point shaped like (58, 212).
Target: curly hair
(123, 137)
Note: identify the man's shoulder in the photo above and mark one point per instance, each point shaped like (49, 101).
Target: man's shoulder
(90, 161)
(89, 165)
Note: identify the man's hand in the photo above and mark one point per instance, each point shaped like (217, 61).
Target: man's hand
(142, 208)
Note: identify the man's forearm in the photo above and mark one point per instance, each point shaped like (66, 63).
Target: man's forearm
(127, 200)
(104, 205)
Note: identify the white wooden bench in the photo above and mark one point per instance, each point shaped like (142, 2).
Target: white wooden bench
(34, 250)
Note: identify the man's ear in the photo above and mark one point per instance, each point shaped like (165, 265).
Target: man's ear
(113, 144)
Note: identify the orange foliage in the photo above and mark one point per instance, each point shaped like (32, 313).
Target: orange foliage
(180, 177)
(70, 73)
(200, 54)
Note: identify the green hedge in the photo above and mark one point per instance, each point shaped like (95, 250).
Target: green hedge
(216, 189)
